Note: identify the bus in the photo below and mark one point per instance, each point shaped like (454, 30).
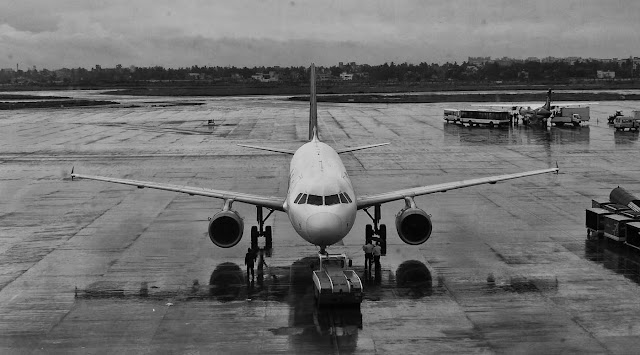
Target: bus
(477, 117)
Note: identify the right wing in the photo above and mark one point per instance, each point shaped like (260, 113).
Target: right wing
(274, 203)
(371, 200)
(353, 149)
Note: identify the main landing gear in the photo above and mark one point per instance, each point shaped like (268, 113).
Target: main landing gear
(261, 231)
(374, 233)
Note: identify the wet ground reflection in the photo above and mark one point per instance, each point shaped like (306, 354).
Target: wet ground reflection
(614, 256)
(515, 135)
(309, 327)
(625, 137)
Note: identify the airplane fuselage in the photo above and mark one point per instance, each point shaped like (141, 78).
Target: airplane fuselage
(320, 203)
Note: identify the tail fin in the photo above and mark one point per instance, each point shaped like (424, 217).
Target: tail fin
(547, 105)
(313, 109)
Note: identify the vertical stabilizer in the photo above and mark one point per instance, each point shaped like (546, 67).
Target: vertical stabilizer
(313, 106)
(547, 105)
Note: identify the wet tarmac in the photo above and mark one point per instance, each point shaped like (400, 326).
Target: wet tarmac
(91, 267)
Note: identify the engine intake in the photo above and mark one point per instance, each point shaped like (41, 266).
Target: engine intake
(226, 228)
(413, 225)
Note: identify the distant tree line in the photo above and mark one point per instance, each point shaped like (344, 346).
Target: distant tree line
(532, 72)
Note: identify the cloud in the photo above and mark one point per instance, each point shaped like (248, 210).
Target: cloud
(70, 33)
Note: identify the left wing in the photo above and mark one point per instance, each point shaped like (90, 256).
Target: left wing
(277, 150)
(371, 200)
(274, 203)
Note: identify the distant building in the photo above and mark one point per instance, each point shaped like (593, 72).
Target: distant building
(324, 77)
(345, 76)
(601, 74)
(196, 76)
(478, 60)
(504, 62)
(265, 78)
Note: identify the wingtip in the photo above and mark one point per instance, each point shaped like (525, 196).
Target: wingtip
(72, 168)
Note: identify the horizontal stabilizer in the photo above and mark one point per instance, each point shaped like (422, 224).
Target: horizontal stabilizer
(277, 150)
(352, 149)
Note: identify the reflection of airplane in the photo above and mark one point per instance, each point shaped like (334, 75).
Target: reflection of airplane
(320, 202)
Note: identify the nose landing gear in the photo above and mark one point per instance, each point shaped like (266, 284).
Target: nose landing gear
(376, 233)
(261, 231)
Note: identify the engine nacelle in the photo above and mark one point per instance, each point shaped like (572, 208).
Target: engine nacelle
(413, 225)
(226, 228)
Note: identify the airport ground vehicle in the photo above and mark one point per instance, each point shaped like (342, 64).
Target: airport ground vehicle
(617, 219)
(570, 115)
(621, 123)
(612, 117)
(478, 117)
(334, 284)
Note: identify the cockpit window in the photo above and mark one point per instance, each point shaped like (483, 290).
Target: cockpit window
(315, 200)
(298, 198)
(331, 200)
(303, 199)
(343, 199)
(347, 196)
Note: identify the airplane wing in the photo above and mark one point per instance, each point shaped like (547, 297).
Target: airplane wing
(274, 203)
(277, 150)
(371, 200)
(352, 149)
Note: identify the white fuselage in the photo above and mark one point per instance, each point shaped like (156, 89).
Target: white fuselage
(321, 203)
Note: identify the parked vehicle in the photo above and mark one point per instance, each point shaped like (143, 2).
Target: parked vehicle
(623, 122)
(612, 117)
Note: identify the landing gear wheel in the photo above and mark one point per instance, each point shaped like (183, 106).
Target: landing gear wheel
(268, 240)
(576, 124)
(368, 233)
(254, 238)
(383, 238)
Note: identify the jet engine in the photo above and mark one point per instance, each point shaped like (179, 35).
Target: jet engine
(225, 228)
(413, 225)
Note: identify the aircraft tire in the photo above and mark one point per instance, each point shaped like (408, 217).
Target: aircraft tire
(268, 238)
(383, 238)
(368, 233)
(254, 237)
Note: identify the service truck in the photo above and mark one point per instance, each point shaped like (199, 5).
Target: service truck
(334, 284)
(621, 123)
(570, 115)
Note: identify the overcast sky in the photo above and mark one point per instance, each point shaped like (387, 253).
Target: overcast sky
(82, 33)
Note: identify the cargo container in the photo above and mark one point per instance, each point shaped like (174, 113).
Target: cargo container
(594, 221)
(614, 207)
(631, 214)
(633, 235)
(598, 204)
(624, 197)
(615, 226)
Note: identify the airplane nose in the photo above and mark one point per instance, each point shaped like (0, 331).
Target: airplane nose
(325, 226)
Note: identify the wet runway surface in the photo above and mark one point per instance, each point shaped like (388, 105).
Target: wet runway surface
(92, 267)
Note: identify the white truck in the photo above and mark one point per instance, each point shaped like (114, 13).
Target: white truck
(334, 284)
(570, 115)
(620, 123)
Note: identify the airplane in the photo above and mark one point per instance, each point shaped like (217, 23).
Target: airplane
(321, 202)
(540, 114)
